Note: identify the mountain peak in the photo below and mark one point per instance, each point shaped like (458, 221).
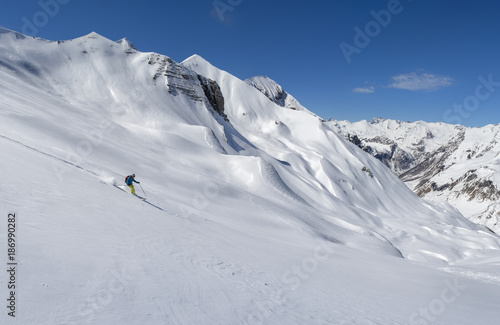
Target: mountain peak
(93, 35)
(194, 57)
(196, 60)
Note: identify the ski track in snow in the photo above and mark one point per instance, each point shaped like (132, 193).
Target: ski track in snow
(46, 154)
(476, 275)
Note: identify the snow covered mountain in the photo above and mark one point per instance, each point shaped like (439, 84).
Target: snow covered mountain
(255, 213)
(272, 90)
(440, 162)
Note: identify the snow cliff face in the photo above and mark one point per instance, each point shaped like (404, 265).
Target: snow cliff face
(253, 211)
(438, 161)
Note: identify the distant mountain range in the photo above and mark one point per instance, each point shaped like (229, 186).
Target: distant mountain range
(439, 162)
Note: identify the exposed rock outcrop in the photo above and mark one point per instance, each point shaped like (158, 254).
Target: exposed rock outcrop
(179, 79)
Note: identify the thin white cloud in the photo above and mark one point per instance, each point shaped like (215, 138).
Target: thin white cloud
(420, 81)
(364, 90)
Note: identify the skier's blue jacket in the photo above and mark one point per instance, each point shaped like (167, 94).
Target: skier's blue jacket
(130, 179)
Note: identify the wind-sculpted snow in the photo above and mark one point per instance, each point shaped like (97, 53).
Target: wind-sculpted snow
(259, 215)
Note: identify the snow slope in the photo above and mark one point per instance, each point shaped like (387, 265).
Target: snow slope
(255, 213)
(440, 162)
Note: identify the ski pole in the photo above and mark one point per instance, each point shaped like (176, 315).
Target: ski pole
(143, 190)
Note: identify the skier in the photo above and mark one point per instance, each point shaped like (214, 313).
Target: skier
(129, 180)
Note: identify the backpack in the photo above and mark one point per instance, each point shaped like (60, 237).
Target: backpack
(126, 179)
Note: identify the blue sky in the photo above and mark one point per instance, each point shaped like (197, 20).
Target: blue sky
(348, 59)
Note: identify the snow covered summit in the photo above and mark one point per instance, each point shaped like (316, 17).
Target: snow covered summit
(255, 214)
